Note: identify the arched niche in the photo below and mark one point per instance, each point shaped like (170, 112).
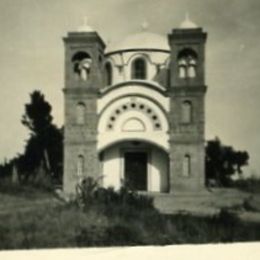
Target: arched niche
(186, 112)
(80, 113)
(186, 166)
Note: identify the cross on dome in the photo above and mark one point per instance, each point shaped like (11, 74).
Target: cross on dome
(187, 23)
(144, 25)
(85, 27)
(85, 20)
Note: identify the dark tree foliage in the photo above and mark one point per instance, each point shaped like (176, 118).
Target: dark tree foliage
(37, 115)
(222, 162)
(5, 169)
(45, 144)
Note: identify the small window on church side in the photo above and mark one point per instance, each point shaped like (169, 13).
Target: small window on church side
(80, 114)
(108, 74)
(80, 167)
(139, 69)
(186, 112)
(186, 169)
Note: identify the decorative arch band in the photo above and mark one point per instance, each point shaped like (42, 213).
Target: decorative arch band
(134, 106)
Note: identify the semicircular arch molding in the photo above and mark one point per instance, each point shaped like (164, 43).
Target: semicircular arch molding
(128, 107)
(153, 93)
(138, 55)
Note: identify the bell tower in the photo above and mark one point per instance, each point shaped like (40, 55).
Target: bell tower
(187, 117)
(84, 55)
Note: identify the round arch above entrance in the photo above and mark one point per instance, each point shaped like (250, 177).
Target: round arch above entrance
(142, 166)
(110, 140)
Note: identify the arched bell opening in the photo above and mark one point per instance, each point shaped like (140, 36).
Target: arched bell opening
(136, 164)
(187, 64)
(82, 63)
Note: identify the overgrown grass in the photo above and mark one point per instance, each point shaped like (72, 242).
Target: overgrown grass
(251, 185)
(104, 217)
(26, 190)
(68, 226)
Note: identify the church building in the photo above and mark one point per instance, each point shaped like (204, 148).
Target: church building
(135, 112)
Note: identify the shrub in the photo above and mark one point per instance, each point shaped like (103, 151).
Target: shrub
(251, 185)
(109, 201)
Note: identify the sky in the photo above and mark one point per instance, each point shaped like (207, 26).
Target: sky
(32, 57)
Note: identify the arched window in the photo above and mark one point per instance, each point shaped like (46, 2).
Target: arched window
(187, 64)
(192, 67)
(186, 112)
(108, 74)
(182, 68)
(81, 113)
(139, 69)
(186, 167)
(80, 167)
(81, 65)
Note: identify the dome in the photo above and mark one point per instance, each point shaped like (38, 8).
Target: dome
(143, 40)
(188, 24)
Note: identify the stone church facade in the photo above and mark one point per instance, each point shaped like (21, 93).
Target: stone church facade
(135, 112)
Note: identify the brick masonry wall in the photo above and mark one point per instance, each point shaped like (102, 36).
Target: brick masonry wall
(81, 139)
(195, 181)
(187, 138)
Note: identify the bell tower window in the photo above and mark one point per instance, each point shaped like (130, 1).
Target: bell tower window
(139, 69)
(182, 68)
(192, 64)
(82, 65)
(187, 64)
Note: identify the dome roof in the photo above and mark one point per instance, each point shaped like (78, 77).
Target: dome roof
(143, 40)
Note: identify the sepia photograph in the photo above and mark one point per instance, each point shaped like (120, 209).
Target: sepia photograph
(129, 124)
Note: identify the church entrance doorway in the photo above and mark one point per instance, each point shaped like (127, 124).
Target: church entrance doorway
(135, 170)
(141, 166)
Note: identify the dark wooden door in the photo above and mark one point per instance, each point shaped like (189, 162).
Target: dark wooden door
(136, 170)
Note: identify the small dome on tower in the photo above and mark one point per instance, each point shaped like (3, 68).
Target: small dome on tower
(188, 24)
(85, 27)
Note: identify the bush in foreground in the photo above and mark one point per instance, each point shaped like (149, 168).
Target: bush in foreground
(251, 185)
